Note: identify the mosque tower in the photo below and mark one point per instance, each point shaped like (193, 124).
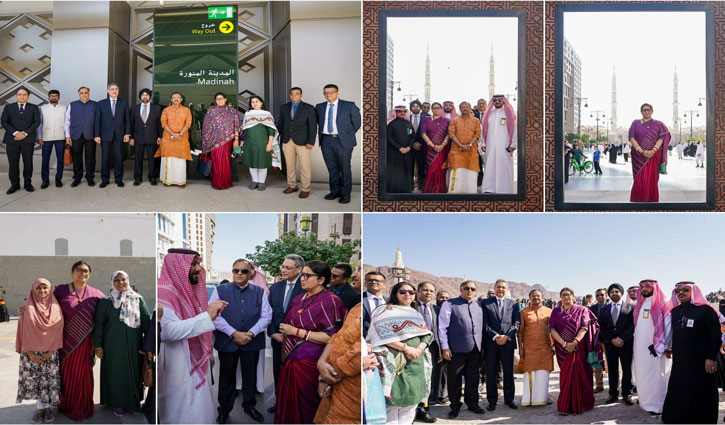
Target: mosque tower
(399, 271)
(675, 101)
(613, 113)
(491, 85)
(426, 98)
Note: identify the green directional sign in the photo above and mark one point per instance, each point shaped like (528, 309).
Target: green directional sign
(221, 12)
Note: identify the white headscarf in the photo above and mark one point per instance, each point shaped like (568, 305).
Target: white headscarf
(128, 301)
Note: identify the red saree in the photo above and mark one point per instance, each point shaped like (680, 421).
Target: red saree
(435, 178)
(646, 172)
(221, 170)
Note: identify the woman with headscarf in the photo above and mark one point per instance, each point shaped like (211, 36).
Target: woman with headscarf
(219, 132)
(260, 137)
(38, 339)
(313, 317)
(399, 337)
(575, 331)
(122, 318)
(649, 138)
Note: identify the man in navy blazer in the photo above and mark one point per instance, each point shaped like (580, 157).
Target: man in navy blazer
(146, 136)
(372, 297)
(618, 338)
(501, 318)
(20, 121)
(338, 121)
(112, 129)
(281, 294)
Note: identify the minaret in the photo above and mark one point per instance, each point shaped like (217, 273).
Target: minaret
(426, 98)
(613, 113)
(491, 85)
(675, 101)
(399, 272)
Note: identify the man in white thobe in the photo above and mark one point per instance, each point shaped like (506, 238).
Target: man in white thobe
(498, 141)
(680, 150)
(651, 367)
(184, 370)
(700, 155)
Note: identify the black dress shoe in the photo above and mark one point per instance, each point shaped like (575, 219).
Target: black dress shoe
(345, 199)
(13, 189)
(75, 183)
(92, 183)
(271, 408)
(136, 182)
(29, 187)
(491, 407)
(453, 414)
(58, 183)
(222, 418)
(423, 416)
(477, 410)
(330, 196)
(103, 184)
(120, 184)
(153, 182)
(611, 399)
(511, 404)
(628, 400)
(45, 184)
(254, 414)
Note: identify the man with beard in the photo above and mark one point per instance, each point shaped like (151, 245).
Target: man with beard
(616, 327)
(400, 158)
(442, 297)
(51, 134)
(462, 163)
(632, 293)
(449, 110)
(601, 296)
(498, 141)
(416, 118)
(651, 328)
(692, 395)
(185, 392)
(425, 109)
(427, 308)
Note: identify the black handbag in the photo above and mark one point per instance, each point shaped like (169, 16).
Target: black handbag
(204, 166)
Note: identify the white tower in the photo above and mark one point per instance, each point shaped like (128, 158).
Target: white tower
(675, 101)
(426, 98)
(491, 73)
(399, 272)
(613, 113)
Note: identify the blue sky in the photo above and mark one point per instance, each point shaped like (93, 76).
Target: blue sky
(237, 235)
(582, 251)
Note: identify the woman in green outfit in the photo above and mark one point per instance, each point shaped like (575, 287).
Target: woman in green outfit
(121, 321)
(399, 337)
(260, 136)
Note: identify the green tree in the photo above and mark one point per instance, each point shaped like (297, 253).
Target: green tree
(571, 137)
(585, 138)
(270, 256)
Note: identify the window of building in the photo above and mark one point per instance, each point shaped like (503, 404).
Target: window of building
(126, 248)
(315, 222)
(61, 246)
(347, 224)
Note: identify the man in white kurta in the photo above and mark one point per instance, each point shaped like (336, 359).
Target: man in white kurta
(700, 155)
(652, 373)
(498, 141)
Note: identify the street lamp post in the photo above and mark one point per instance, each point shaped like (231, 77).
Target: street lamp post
(411, 96)
(693, 114)
(579, 124)
(597, 113)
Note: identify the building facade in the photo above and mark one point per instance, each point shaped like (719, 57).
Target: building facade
(572, 89)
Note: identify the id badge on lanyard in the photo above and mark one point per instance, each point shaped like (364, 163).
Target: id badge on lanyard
(645, 315)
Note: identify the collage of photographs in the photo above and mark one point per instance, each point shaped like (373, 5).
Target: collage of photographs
(260, 212)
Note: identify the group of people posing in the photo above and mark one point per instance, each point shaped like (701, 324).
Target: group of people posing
(447, 149)
(161, 132)
(669, 346)
(312, 317)
(61, 330)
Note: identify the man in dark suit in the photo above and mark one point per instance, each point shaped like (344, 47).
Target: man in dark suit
(112, 130)
(501, 319)
(20, 121)
(478, 113)
(372, 297)
(616, 327)
(297, 127)
(147, 132)
(339, 286)
(416, 119)
(601, 297)
(427, 307)
(281, 294)
(339, 121)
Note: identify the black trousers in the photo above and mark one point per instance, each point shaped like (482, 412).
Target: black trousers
(150, 150)
(597, 168)
(228, 379)
(337, 159)
(479, 179)
(615, 356)
(108, 148)
(494, 356)
(460, 365)
(276, 362)
(83, 148)
(16, 150)
(420, 161)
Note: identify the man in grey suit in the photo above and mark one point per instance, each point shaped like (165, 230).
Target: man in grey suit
(297, 127)
(501, 319)
(427, 307)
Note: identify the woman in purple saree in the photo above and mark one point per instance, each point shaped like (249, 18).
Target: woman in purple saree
(312, 319)
(434, 131)
(649, 139)
(576, 339)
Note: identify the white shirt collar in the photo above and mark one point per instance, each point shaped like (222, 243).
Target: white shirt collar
(335, 102)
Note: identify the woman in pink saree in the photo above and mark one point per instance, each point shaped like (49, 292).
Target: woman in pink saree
(576, 340)
(434, 131)
(649, 139)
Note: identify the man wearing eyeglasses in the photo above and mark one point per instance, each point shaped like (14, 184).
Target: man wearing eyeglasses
(460, 330)
(425, 305)
(340, 287)
(601, 296)
(239, 337)
(281, 294)
(372, 297)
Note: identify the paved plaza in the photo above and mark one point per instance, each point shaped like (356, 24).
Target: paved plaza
(682, 183)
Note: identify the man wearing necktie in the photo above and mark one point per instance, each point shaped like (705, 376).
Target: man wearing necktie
(297, 127)
(20, 121)
(146, 136)
(339, 121)
(416, 119)
(616, 329)
(427, 307)
(112, 130)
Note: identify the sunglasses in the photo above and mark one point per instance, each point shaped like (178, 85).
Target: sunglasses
(406, 291)
(679, 290)
(469, 288)
(497, 99)
(306, 276)
(240, 271)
